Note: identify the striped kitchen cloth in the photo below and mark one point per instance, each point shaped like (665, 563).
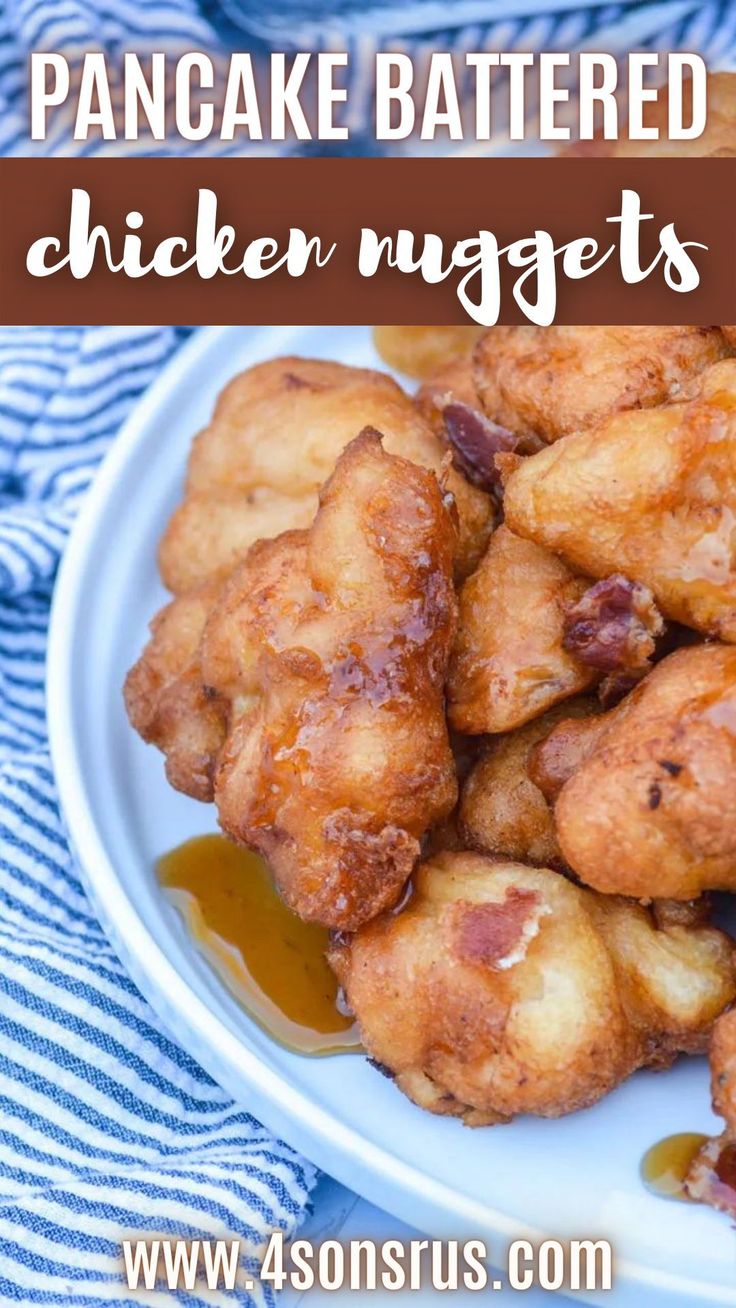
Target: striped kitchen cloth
(107, 1128)
(416, 27)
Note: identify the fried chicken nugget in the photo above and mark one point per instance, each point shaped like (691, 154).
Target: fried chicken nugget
(502, 989)
(166, 700)
(649, 812)
(502, 810)
(275, 434)
(652, 494)
(333, 645)
(509, 663)
(546, 382)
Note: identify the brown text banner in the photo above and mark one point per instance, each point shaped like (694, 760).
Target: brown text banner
(534, 206)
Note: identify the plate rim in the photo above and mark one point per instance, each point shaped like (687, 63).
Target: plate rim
(402, 1189)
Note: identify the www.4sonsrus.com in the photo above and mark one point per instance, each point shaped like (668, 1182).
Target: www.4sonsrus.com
(584, 1264)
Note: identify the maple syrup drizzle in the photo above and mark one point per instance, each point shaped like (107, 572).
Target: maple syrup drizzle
(270, 960)
(665, 1166)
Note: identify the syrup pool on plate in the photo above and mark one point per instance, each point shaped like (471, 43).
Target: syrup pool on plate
(665, 1166)
(272, 962)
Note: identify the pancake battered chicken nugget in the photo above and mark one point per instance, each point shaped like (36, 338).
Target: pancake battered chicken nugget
(651, 494)
(275, 434)
(332, 645)
(648, 811)
(503, 989)
(509, 663)
(502, 810)
(545, 382)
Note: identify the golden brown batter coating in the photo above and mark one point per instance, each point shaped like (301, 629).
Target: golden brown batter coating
(275, 434)
(333, 645)
(649, 812)
(652, 495)
(502, 989)
(509, 664)
(255, 471)
(166, 701)
(546, 382)
(502, 811)
(717, 141)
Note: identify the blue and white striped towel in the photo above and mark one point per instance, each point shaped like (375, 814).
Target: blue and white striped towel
(107, 1128)
(414, 26)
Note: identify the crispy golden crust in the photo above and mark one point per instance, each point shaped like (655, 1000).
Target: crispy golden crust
(650, 812)
(168, 704)
(333, 645)
(509, 664)
(652, 495)
(275, 434)
(718, 139)
(546, 382)
(502, 811)
(502, 989)
(245, 482)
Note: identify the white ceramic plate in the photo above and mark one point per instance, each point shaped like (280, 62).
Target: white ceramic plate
(574, 1177)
